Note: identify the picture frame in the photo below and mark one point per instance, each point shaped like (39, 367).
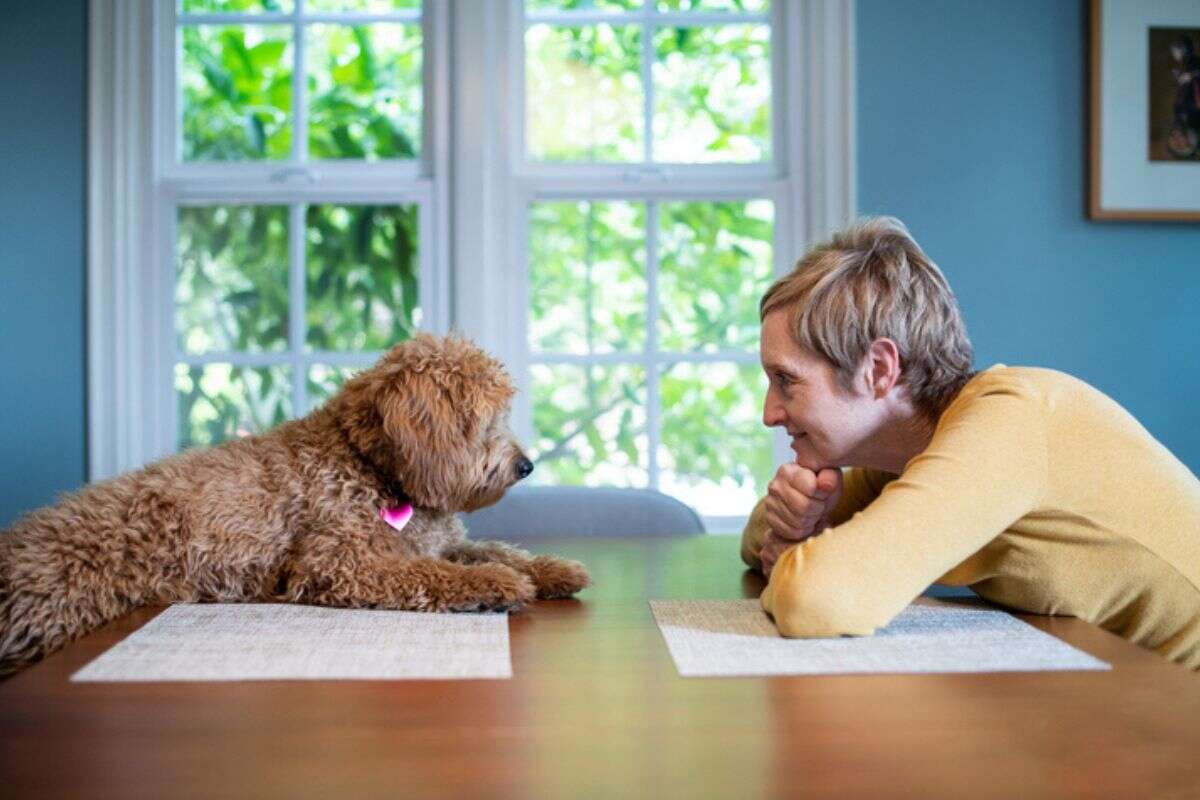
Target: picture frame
(1144, 132)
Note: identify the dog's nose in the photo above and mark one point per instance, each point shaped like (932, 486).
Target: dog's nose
(524, 467)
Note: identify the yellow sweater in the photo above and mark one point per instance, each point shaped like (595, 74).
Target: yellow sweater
(1038, 492)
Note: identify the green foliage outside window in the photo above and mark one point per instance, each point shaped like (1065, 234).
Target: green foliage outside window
(236, 89)
(585, 94)
(588, 296)
(363, 84)
(232, 295)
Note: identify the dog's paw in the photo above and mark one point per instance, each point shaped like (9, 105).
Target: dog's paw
(558, 577)
(492, 587)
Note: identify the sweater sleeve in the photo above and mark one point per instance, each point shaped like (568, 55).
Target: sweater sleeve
(985, 468)
(859, 488)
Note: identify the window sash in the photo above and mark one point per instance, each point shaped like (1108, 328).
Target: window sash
(647, 181)
(296, 355)
(170, 167)
(648, 170)
(651, 357)
(297, 182)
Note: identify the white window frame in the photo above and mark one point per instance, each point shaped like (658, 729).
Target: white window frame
(471, 176)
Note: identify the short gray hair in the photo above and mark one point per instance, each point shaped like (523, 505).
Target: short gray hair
(869, 281)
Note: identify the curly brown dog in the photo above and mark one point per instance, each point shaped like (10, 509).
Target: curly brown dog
(294, 514)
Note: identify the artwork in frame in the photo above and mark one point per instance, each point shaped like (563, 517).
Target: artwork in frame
(1174, 122)
(1145, 110)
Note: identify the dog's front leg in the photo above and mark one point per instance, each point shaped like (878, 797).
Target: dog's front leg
(372, 580)
(553, 576)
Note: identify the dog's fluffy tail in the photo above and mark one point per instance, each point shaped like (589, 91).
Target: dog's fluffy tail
(34, 625)
(23, 638)
(5, 624)
(20, 643)
(49, 596)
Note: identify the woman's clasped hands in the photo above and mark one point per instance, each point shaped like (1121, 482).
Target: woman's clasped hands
(797, 506)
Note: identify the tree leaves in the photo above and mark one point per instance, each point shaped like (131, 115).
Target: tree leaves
(590, 422)
(364, 85)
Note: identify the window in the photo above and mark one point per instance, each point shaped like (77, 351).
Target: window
(292, 162)
(271, 204)
(649, 184)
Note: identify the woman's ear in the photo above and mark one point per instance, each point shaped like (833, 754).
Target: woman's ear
(883, 367)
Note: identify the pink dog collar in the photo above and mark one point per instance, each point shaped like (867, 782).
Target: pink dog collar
(396, 516)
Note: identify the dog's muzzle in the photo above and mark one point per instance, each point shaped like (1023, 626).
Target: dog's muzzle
(524, 467)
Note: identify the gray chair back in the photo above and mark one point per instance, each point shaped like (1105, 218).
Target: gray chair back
(533, 511)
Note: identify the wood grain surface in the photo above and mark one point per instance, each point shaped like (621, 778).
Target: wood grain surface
(596, 709)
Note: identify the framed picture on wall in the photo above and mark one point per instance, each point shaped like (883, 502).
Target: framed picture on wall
(1145, 110)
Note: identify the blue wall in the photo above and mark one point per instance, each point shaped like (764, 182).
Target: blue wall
(42, 252)
(972, 123)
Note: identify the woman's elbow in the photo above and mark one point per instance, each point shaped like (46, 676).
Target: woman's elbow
(753, 536)
(812, 614)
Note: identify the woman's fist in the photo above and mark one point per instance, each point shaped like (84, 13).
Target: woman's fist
(796, 507)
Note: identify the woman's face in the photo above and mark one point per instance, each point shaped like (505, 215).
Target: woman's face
(830, 426)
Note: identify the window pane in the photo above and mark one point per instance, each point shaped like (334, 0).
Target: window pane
(715, 453)
(368, 6)
(324, 382)
(218, 402)
(362, 275)
(587, 276)
(589, 425)
(236, 90)
(581, 5)
(364, 85)
(231, 284)
(235, 6)
(712, 94)
(714, 265)
(749, 6)
(583, 93)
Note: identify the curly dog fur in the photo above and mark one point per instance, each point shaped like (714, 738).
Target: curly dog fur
(293, 514)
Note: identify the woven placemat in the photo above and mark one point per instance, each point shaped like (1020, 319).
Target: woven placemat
(710, 638)
(245, 642)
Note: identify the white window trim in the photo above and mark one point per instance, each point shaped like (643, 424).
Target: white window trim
(125, 417)
(477, 263)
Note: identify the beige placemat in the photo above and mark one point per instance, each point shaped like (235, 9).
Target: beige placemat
(709, 638)
(247, 642)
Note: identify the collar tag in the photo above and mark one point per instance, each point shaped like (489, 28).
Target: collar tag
(397, 516)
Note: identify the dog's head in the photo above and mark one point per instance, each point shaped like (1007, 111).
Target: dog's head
(433, 414)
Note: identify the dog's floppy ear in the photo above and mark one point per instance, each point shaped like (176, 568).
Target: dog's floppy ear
(438, 393)
(420, 412)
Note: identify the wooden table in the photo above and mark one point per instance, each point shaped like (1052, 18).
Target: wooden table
(596, 709)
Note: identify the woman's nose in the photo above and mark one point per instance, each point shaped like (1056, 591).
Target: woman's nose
(773, 413)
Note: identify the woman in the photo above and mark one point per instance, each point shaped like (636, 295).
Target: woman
(1028, 485)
